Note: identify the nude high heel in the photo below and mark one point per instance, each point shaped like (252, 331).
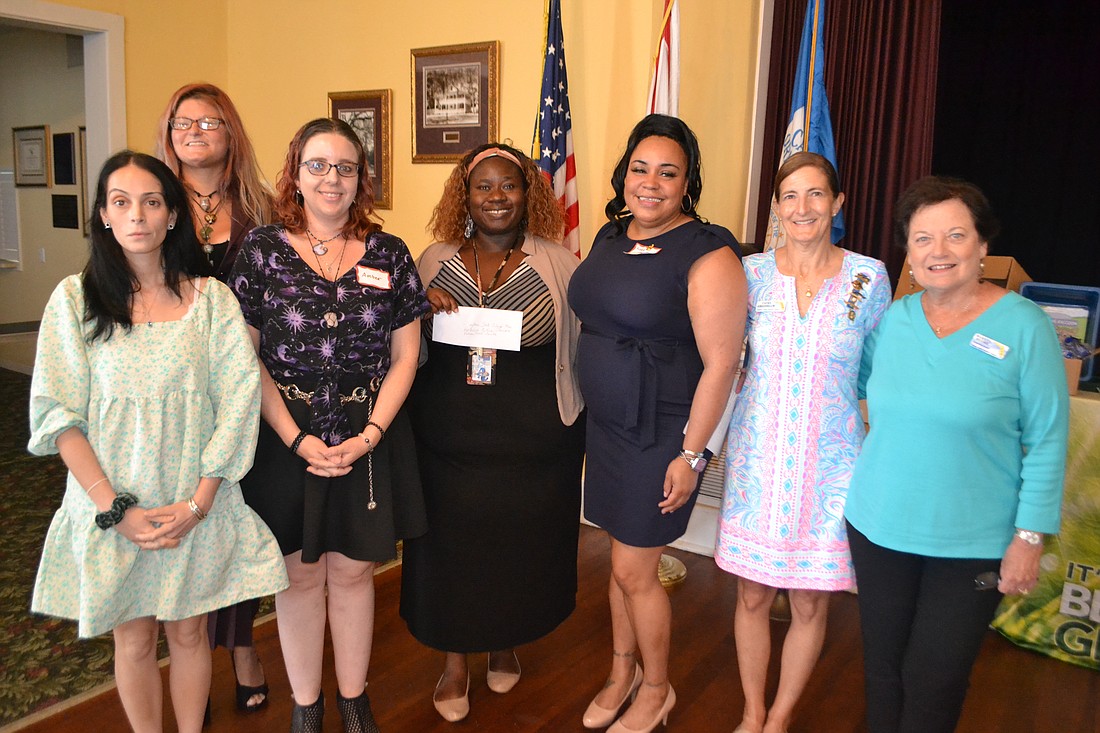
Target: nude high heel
(600, 717)
(660, 719)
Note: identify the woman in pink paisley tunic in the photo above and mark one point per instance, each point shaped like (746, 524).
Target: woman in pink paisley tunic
(794, 435)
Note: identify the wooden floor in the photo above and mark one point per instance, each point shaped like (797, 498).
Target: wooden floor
(1013, 690)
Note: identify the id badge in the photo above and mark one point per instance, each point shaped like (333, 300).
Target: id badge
(481, 367)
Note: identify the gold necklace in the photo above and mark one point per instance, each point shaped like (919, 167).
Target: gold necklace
(938, 330)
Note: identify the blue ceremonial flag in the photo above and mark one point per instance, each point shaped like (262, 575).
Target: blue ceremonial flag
(810, 127)
(554, 129)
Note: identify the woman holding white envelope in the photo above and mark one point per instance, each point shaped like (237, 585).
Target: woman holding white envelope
(495, 411)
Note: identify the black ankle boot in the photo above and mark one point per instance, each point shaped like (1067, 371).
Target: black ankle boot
(308, 718)
(356, 714)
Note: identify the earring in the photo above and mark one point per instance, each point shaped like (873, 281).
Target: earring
(298, 199)
(106, 225)
(690, 204)
(912, 280)
(171, 227)
(981, 271)
(470, 228)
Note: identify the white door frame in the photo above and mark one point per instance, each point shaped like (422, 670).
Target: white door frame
(104, 70)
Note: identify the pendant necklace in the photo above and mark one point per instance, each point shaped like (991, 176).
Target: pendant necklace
(331, 320)
(938, 330)
(147, 309)
(204, 199)
(318, 244)
(209, 217)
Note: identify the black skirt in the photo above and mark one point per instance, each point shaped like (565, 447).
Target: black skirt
(316, 515)
(501, 473)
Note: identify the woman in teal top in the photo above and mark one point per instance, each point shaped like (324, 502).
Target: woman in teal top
(961, 474)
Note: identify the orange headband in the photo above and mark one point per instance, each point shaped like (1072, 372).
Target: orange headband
(489, 153)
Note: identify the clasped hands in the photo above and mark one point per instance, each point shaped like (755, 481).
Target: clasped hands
(161, 528)
(330, 461)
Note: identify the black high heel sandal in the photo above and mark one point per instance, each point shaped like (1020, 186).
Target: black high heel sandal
(356, 714)
(308, 718)
(245, 693)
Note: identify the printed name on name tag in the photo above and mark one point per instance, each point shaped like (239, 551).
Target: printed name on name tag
(372, 278)
(643, 249)
(994, 348)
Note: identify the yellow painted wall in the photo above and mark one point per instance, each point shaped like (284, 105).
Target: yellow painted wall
(168, 44)
(258, 50)
(279, 81)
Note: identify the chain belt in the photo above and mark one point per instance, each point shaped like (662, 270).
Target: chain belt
(359, 394)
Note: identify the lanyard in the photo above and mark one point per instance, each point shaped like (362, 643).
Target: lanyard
(493, 282)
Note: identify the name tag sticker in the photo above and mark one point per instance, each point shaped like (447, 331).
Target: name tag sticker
(994, 348)
(372, 278)
(643, 249)
(770, 306)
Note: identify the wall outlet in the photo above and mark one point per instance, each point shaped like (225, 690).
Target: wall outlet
(42, 254)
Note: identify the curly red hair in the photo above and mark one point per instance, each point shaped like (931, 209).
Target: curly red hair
(544, 216)
(362, 221)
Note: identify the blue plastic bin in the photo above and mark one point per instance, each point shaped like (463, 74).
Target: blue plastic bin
(1075, 296)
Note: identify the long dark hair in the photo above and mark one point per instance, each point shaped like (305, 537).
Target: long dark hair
(109, 281)
(658, 126)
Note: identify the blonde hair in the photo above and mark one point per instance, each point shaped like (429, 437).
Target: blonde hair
(241, 180)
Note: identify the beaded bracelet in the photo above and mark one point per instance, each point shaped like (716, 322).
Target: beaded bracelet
(376, 426)
(298, 441)
(114, 515)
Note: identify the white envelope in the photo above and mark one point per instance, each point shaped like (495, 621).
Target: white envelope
(490, 328)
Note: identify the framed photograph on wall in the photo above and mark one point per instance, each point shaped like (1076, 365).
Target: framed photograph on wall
(64, 159)
(368, 113)
(455, 100)
(32, 155)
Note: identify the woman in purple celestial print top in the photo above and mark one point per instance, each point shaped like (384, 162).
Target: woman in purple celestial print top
(333, 304)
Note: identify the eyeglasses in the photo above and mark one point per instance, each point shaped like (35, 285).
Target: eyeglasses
(320, 167)
(205, 123)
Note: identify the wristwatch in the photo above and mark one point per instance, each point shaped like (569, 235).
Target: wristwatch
(1032, 538)
(697, 461)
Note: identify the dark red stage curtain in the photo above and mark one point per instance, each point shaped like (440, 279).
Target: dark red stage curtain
(880, 74)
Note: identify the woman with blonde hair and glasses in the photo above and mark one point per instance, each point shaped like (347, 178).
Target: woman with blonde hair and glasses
(334, 306)
(201, 138)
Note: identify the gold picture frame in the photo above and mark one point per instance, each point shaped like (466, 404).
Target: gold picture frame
(369, 114)
(31, 153)
(455, 100)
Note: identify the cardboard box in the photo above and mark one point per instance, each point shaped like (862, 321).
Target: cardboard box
(1073, 374)
(1003, 271)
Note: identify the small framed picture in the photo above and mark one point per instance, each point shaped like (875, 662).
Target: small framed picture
(64, 159)
(32, 155)
(368, 113)
(456, 100)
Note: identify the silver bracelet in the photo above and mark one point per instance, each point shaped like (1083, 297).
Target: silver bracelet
(196, 509)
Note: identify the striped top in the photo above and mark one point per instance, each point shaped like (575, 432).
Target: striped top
(523, 290)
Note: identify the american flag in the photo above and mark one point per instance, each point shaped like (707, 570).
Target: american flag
(554, 129)
(664, 87)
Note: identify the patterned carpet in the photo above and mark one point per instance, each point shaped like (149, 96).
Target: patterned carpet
(41, 660)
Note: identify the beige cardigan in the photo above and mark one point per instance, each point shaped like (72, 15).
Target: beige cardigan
(555, 265)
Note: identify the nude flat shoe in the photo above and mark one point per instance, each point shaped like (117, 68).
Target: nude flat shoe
(502, 682)
(600, 717)
(456, 708)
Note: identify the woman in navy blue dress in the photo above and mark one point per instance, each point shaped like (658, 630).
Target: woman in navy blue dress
(662, 300)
